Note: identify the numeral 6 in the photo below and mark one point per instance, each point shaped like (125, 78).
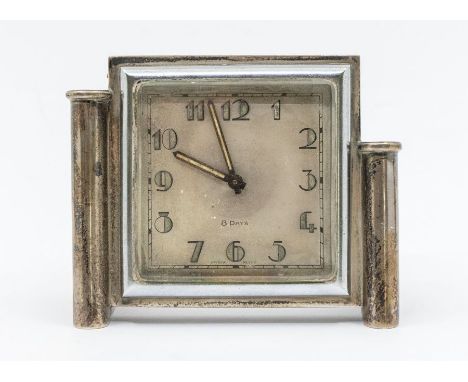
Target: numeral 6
(235, 252)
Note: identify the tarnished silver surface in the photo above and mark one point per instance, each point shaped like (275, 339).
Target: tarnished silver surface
(115, 189)
(99, 195)
(89, 117)
(380, 304)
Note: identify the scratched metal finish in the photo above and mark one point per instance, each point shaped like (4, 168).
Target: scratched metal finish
(90, 240)
(115, 191)
(97, 190)
(380, 308)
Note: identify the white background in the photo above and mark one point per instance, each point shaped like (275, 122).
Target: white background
(413, 89)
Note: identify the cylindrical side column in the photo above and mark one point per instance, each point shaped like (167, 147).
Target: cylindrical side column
(89, 121)
(380, 204)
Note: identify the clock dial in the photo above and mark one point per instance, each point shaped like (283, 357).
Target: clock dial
(234, 186)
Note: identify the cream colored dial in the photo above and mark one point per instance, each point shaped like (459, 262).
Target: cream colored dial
(195, 226)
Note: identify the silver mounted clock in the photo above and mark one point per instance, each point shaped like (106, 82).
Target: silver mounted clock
(231, 181)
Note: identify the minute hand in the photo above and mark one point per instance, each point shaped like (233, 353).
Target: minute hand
(220, 136)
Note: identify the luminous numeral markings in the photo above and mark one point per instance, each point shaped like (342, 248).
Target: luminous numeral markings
(163, 179)
(164, 139)
(311, 181)
(195, 112)
(242, 110)
(196, 251)
(311, 137)
(235, 252)
(303, 223)
(163, 223)
(281, 252)
(276, 107)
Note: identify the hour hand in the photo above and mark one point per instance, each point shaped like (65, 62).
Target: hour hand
(200, 165)
(234, 181)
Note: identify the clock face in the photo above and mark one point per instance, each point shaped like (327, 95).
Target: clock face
(233, 184)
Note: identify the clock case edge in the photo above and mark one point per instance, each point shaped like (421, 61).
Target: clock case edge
(115, 213)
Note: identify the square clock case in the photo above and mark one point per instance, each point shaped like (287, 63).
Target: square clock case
(231, 182)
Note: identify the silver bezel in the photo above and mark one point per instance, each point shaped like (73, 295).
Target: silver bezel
(338, 75)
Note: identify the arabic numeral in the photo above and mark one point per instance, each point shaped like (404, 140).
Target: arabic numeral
(276, 107)
(163, 179)
(196, 251)
(242, 110)
(163, 223)
(235, 252)
(303, 223)
(226, 111)
(311, 181)
(281, 252)
(311, 137)
(166, 139)
(195, 112)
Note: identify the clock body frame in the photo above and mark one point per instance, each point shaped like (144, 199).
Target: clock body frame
(100, 281)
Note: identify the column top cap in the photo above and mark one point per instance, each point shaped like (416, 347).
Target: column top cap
(379, 147)
(89, 95)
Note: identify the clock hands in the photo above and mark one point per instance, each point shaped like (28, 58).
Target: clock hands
(200, 165)
(233, 180)
(220, 136)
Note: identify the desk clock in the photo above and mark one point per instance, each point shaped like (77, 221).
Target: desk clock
(231, 182)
